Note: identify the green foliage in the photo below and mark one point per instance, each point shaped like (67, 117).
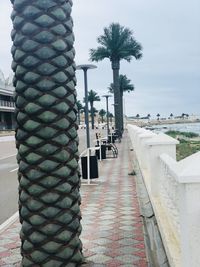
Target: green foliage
(102, 113)
(79, 105)
(116, 43)
(92, 97)
(187, 148)
(93, 111)
(124, 85)
(174, 134)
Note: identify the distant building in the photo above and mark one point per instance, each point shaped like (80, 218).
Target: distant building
(7, 105)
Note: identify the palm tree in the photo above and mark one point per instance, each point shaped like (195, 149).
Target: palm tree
(110, 115)
(148, 116)
(116, 43)
(183, 116)
(124, 86)
(83, 113)
(158, 116)
(102, 113)
(171, 116)
(79, 108)
(138, 116)
(92, 97)
(46, 133)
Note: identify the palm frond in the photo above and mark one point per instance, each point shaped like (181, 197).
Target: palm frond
(116, 43)
(124, 85)
(111, 88)
(99, 54)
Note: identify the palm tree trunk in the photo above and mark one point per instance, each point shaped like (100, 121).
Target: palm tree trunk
(92, 114)
(79, 117)
(117, 102)
(46, 133)
(122, 111)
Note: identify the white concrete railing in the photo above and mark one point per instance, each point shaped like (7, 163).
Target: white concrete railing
(174, 191)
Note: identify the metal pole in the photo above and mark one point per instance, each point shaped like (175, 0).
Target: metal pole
(107, 96)
(107, 116)
(86, 67)
(88, 166)
(86, 108)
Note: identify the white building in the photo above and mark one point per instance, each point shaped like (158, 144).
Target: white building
(7, 105)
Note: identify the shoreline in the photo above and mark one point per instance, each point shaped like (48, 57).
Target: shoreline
(161, 122)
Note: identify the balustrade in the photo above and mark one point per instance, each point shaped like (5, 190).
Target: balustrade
(174, 191)
(5, 103)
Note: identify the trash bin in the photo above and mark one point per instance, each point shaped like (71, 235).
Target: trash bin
(103, 152)
(93, 167)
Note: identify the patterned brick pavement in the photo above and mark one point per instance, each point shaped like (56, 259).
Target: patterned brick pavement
(112, 227)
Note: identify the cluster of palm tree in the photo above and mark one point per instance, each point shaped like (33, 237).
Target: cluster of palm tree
(116, 43)
(158, 116)
(92, 97)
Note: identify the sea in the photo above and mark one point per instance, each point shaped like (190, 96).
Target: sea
(182, 127)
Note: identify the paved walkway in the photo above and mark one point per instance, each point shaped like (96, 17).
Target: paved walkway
(112, 226)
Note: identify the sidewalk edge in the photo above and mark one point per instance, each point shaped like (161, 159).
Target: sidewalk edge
(9, 221)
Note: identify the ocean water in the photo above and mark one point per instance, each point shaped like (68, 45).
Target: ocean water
(182, 127)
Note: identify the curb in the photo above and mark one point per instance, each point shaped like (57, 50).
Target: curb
(8, 222)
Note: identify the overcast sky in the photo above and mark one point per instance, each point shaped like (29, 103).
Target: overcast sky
(166, 79)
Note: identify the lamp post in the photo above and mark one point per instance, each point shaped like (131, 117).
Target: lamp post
(86, 67)
(107, 115)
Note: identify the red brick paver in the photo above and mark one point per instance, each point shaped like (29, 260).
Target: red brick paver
(112, 233)
(112, 225)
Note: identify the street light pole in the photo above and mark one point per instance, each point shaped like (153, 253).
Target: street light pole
(107, 115)
(86, 67)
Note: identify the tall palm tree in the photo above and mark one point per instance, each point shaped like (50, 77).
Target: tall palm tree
(148, 117)
(46, 133)
(137, 116)
(93, 112)
(79, 108)
(102, 113)
(116, 43)
(92, 97)
(124, 86)
(158, 116)
(183, 116)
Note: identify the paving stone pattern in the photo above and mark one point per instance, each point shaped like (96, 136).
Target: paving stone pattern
(112, 233)
(112, 225)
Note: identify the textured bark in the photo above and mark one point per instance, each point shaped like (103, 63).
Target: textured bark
(92, 115)
(122, 110)
(117, 102)
(46, 133)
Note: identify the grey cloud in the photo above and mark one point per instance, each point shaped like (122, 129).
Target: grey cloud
(167, 79)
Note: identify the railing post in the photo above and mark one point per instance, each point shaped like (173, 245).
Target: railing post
(142, 154)
(189, 205)
(156, 146)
